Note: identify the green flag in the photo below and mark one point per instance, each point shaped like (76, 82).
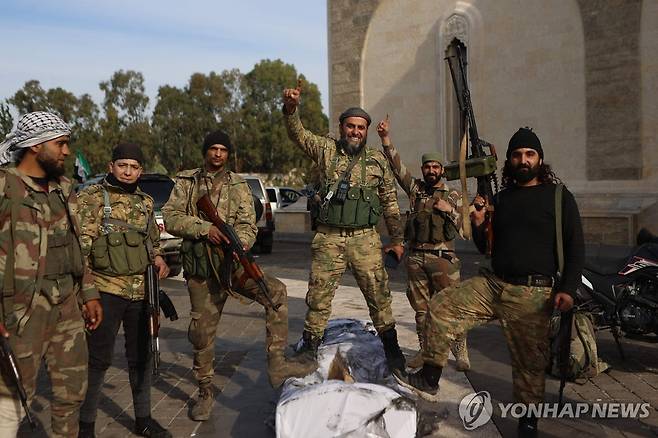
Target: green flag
(82, 168)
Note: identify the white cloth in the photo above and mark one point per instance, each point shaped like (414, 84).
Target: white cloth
(32, 129)
(11, 414)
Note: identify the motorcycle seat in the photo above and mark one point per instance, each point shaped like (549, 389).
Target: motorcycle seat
(605, 266)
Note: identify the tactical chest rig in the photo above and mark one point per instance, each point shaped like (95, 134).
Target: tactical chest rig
(200, 258)
(118, 253)
(425, 224)
(347, 206)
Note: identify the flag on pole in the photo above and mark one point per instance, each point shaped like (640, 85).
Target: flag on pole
(82, 168)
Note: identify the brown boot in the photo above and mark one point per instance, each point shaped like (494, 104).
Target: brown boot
(280, 367)
(203, 407)
(460, 351)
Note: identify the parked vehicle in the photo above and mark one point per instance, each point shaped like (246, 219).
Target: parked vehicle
(264, 221)
(623, 295)
(281, 197)
(159, 187)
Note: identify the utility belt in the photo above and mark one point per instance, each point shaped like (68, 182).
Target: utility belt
(447, 254)
(536, 280)
(343, 231)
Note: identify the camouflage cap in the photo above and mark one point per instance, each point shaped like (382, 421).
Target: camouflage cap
(431, 156)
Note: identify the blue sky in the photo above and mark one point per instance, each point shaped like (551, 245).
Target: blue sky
(75, 44)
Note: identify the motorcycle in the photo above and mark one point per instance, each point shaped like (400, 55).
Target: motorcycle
(622, 295)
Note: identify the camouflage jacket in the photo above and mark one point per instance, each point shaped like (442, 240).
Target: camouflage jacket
(134, 208)
(228, 191)
(421, 196)
(324, 150)
(35, 222)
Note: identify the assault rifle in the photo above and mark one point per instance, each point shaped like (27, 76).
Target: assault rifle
(479, 164)
(563, 342)
(156, 299)
(10, 365)
(234, 250)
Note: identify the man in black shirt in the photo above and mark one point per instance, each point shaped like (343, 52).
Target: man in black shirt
(523, 287)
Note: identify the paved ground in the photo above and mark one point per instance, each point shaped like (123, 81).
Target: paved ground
(245, 403)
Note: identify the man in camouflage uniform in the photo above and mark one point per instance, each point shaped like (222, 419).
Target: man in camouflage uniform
(120, 238)
(430, 231)
(203, 262)
(43, 274)
(523, 286)
(357, 188)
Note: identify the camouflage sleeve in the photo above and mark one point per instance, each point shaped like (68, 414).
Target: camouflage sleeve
(177, 221)
(88, 290)
(455, 199)
(388, 197)
(313, 145)
(401, 172)
(89, 214)
(245, 221)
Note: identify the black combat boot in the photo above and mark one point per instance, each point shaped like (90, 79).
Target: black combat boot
(87, 430)
(394, 356)
(147, 426)
(309, 347)
(424, 382)
(528, 427)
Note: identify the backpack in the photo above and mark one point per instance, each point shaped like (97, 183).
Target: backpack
(584, 362)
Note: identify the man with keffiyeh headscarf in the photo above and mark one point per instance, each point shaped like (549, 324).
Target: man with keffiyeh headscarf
(43, 274)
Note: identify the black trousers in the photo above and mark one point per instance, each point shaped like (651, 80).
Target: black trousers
(132, 314)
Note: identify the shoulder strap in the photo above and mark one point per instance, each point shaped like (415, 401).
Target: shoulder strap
(558, 228)
(107, 210)
(334, 186)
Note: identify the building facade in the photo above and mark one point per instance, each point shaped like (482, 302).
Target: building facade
(582, 73)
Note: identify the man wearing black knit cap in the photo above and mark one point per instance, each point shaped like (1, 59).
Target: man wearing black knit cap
(203, 257)
(522, 287)
(120, 238)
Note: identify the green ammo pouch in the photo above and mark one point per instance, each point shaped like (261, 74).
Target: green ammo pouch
(119, 254)
(194, 254)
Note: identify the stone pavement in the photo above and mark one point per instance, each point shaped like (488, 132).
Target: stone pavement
(245, 402)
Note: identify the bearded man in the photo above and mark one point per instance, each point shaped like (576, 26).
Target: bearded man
(357, 188)
(47, 286)
(432, 226)
(524, 285)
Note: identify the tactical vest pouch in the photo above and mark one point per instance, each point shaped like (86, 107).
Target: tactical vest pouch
(449, 230)
(437, 228)
(60, 258)
(194, 254)
(119, 254)
(376, 209)
(350, 213)
(409, 230)
(423, 226)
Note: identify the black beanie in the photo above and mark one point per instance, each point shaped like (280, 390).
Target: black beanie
(217, 137)
(128, 151)
(524, 138)
(354, 112)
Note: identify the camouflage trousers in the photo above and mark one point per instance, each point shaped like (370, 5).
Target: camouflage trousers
(333, 250)
(523, 312)
(207, 298)
(56, 334)
(427, 274)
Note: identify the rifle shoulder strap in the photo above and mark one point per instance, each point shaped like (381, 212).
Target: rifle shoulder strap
(347, 171)
(558, 228)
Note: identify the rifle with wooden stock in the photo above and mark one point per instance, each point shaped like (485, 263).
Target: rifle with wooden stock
(156, 299)
(234, 250)
(479, 164)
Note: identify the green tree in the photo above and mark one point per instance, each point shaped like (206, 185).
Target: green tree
(268, 148)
